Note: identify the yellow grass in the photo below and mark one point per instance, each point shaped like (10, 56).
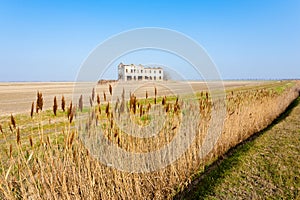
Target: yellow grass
(59, 166)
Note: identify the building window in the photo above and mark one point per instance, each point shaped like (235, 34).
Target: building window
(159, 77)
(150, 71)
(126, 70)
(154, 72)
(141, 71)
(154, 77)
(131, 70)
(160, 71)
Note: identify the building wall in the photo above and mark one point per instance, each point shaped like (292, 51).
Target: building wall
(139, 72)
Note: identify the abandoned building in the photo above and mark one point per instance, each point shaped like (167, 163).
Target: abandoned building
(139, 73)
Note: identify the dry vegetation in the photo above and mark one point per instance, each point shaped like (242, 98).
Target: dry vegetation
(43, 156)
(265, 166)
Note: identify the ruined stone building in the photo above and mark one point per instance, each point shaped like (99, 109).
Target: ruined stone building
(139, 73)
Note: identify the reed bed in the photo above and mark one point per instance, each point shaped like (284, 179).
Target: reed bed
(59, 166)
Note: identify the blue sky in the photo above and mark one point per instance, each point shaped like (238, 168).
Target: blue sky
(247, 39)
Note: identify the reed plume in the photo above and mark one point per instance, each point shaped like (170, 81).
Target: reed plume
(110, 89)
(99, 108)
(13, 121)
(130, 101)
(176, 107)
(69, 111)
(163, 102)
(63, 103)
(10, 150)
(71, 116)
(36, 108)
(48, 141)
(32, 108)
(155, 93)
(54, 106)
(148, 107)
(98, 99)
(74, 111)
(91, 102)
(39, 101)
(104, 96)
(93, 115)
(141, 110)
(80, 103)
(107, 109)
(71, 139)
(117, 104)
(30, 141)
(18, 136)
(167, 107)
(122, 106)
(133, 103)
(93, 94)
(111, 123)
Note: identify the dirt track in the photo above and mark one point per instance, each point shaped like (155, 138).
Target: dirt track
(18, 97)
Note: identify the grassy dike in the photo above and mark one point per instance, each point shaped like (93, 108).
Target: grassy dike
(266, 166)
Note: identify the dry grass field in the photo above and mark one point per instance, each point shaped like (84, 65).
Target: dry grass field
(44, 155)
(17, 97)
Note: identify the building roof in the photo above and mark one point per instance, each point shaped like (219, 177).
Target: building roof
(140, 65)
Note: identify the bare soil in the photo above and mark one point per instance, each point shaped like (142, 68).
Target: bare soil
(17, 97)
